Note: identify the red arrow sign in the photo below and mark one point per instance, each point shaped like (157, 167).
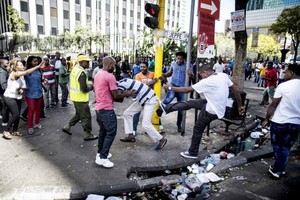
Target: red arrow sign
(211, 7)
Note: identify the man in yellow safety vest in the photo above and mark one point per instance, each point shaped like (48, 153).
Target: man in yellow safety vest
(79, 94)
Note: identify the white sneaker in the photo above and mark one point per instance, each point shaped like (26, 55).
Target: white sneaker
(104, 162)
(4, 124)
(38, 126)
(108, 157)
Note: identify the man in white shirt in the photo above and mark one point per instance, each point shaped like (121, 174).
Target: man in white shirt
(219, 66)
(285, 123)
(146, 101)
(214, 88)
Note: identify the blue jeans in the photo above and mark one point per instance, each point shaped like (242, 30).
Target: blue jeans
(107, 121)
(180, 97)
(283, 136)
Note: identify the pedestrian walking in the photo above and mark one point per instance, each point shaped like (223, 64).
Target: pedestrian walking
(79, 94)
(284, 114)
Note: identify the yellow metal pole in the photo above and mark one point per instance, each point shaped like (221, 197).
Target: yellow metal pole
(159, 58)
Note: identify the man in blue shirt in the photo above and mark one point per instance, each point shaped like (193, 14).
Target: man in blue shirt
(178, 71)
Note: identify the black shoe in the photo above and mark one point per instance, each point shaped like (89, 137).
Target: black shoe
(23, 118)
(160, 110)
(44, 116)
(179, 129)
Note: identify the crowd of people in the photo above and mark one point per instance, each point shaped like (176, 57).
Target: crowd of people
(37, 79)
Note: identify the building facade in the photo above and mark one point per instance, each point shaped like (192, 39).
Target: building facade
(121, 20)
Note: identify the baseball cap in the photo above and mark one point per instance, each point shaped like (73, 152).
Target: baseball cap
(83, 58)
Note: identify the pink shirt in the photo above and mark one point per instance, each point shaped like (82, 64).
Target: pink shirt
(104, 83)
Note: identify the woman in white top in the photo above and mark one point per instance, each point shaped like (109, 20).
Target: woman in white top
(13, 96)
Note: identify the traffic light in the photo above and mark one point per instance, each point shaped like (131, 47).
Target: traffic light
(153, 10)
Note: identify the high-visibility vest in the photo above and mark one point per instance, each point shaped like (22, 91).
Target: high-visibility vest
(75, 93)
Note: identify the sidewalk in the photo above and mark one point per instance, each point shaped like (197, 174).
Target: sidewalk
(53, 165)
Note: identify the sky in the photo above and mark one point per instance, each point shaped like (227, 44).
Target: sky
(227, 6)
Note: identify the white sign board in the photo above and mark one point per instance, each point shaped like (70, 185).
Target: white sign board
(176, 35)
(238, 21)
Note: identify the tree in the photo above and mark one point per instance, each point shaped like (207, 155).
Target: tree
(225, 45)
(267, 46)
(289, 22)
(240, 50)
(16, 25)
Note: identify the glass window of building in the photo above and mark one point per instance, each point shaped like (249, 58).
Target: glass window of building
(66, 0)
(39, 9)
(123, 25)
(107, 7)
(139, 2)
(40, 29)
(53, 12)
(53, 31)
(66, 14)
(77, 16)
(88, 18)
(139, 15)
(124, 11)
(24, 6)
(131, 13)
(77, 1)
(131, 27)
(26, 27)
(88, 3)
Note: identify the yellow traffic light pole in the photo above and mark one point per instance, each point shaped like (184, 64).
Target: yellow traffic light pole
(159, 57)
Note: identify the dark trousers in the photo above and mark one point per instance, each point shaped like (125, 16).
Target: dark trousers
(56, 88)
(107, 121)
(283, 137)
(82, 113)
(65, 93)
(204, 118)
(4, 110)
(180, 97)
(14, 106)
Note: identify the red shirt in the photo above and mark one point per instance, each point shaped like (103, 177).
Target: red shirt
(271, 74)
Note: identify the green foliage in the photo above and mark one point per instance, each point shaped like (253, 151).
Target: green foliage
(225, 45)
(16, 25)
(267, 46)
(15, 22)
(289, 22)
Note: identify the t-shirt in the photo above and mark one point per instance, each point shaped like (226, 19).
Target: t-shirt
(13, 86)
(288, 110)
(146, 79)
(271, 74)
(215, 90)
(104, 83)
(218, 68)
(143, 92)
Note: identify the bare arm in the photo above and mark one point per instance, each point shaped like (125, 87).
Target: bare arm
(119, 94)
(237, 96)
(179, 89)
(271, 109)
(28, 71)
(168, 73)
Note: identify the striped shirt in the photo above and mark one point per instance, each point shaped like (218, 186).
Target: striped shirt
(143, 92)
(49, 74)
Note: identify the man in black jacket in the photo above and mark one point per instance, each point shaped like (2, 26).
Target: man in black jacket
(4, 69)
